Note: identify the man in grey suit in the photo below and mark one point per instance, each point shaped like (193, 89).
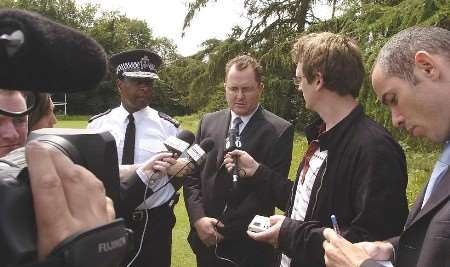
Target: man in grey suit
(219, 208)
(412, 77)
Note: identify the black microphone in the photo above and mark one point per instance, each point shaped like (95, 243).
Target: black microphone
(197, 153)
(231, 145)
(180, 143)
(38, 54)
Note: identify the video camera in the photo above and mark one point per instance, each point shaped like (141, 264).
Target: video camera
(39, 55)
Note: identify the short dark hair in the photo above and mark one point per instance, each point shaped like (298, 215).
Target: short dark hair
(242, 62)
(335, 56)
(397, 56)
(42, 109)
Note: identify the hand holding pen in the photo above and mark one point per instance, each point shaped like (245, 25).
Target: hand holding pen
(335, 224)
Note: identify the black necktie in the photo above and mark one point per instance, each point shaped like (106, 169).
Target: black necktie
(237, 121)
(128, 146)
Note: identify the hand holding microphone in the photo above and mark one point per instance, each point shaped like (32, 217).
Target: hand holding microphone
(177, 145)
(158, 165)
(246, 163)
(195, 157)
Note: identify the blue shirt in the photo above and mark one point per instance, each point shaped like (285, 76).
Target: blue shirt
(440, 169)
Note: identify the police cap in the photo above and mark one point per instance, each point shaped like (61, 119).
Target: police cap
(136, 64)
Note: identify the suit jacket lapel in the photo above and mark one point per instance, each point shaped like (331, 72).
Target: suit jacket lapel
(416, 207)
(222, 127)
(440, 194)
(252, 124)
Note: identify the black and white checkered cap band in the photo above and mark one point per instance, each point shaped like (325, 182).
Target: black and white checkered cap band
(133, 66)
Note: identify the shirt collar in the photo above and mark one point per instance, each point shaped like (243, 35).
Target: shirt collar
(335, 134)
(445, 156)
(123, 113)
(245, 119)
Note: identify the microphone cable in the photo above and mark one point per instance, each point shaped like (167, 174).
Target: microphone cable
(217, 246)
(146, 211)
(145, 227)
(170, 178)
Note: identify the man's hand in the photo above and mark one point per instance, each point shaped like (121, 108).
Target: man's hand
(379, 250)
(206, 230)
(68, 199)
(246, 163)
(182, 167)
(270, 235)
(339, 252)
(160, 162)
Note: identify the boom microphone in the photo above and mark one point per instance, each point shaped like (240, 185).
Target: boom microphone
(38, 54)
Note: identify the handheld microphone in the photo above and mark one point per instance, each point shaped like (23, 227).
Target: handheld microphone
(197, 153)
(232, 138)
(180, 143)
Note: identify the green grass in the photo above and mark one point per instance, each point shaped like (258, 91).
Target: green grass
(420, 165)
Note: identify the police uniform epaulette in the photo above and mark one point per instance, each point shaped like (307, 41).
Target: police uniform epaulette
(169, 119)
(99, 115)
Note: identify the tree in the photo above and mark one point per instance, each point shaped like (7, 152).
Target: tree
(63, 11)
(115, 32)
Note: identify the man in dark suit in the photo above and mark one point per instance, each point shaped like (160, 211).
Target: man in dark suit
(219, 208)
(412, 77)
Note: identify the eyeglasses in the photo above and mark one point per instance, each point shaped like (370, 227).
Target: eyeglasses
(30, 98)
(297, 80)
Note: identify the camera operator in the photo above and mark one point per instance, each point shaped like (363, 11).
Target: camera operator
(71, 211)
(13, 130)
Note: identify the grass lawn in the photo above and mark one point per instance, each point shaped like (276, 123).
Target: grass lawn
(420, 166)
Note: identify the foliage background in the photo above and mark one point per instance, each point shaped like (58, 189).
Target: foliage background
(194, 84)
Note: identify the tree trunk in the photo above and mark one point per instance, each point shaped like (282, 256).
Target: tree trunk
(303, 8)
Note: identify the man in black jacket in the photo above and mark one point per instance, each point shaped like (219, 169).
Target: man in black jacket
(211, 195)
(352, 167)
(412, 77)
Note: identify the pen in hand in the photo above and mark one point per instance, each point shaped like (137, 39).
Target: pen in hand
(335, 224)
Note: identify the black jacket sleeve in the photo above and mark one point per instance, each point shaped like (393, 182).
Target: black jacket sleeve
(376, 211)
(192, 189)
(132, 194)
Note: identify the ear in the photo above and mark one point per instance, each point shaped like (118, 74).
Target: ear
(225, 85)
(318, 81)
(119, 85)
(425, 66)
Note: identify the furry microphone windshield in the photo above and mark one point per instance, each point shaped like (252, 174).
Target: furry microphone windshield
(37, 54)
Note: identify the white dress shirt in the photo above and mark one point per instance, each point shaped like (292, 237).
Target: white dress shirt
(245, 119)
(303, 193)
(151, 131)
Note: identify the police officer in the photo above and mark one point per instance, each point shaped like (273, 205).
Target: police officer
(139, 132)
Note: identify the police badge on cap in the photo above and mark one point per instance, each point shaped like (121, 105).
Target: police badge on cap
(136, 64)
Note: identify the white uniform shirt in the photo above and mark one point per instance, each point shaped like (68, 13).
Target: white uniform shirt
(151, 131)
